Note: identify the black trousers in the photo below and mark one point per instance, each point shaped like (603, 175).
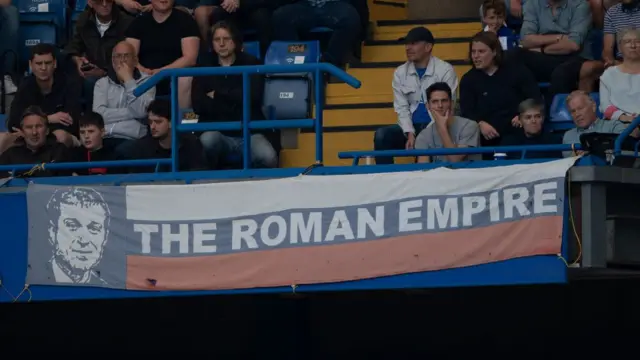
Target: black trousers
(562, 72)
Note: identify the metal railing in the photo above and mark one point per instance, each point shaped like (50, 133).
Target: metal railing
(246, 124)
(357, 155)
(617, 150)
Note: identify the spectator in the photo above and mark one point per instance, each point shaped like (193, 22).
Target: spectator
(124, 114)
(219, 98)
(134, 7)
(35, 146)
(618, 17)
(513, 12)
(583, 111)
(164, 39)
(250, 14)
(303, 15)
(620, 85)
(93, 147)
(99, 28)
(553, 45)
(56, 94)
(531, 116)
(410, 81)
(8, 46)
(493, 16)
(446, 131)
(491, 91)
(158, 145)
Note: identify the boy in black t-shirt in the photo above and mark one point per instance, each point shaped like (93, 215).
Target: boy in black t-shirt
(93, 146)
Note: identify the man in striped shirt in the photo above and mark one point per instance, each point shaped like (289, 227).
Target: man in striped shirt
(623, 15)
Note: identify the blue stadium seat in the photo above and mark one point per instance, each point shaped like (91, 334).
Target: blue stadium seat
(78, 9)
(560, 117)
(35, 33)
(41, 22)
(252, 47)
(289, 96)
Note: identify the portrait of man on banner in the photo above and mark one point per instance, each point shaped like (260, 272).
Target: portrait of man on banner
(78, 231)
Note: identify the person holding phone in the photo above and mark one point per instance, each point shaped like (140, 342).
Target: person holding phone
(99, 28)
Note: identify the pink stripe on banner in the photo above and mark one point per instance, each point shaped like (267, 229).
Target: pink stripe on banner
(348, 261)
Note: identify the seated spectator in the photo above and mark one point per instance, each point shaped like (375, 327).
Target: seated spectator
(410, 82)
(303, 15)
(93, 147)
(165, 39)
(531, 118)
(493, 16)
(158, 145)
(553, 43)
(219, 98)
(98, 29)
(124, 114)
(492, 90)
(56, 94)
(618, 17)
(250, 14)
(9, 24)
(446, 131)
(134, 7)
(513, 13)
(620, 85)
(583, 111)
(35, 146)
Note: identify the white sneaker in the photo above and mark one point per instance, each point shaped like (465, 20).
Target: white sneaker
(9, 86)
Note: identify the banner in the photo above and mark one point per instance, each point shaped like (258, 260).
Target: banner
(292, 231)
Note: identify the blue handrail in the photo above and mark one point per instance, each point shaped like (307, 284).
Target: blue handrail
(87, 165)
(356, 155)
(246, 124)
(617, 150)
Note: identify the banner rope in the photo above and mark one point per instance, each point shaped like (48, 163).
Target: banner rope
(573, 227)
(24, 290)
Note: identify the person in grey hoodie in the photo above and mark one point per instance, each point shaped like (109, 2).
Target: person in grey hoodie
(124, 114)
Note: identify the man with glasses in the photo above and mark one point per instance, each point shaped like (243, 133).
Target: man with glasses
(99, 28)
(531, 121)
(124, 114)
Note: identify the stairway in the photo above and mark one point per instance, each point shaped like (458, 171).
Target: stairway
(351, 116)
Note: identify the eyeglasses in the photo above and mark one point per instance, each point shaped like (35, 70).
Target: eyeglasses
(629, 42)
(122, 56)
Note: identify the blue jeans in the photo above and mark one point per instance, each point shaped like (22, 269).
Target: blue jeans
(9, 24)
(224, 150)
(291, 20)
(391, 138)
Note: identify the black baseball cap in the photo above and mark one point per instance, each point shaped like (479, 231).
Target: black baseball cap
(418, 34)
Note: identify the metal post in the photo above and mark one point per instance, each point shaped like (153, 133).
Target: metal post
(319, 83)
(175, 114)
(246, 117)
(594, 227)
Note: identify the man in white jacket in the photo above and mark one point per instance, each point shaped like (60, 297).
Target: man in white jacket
(124, 114)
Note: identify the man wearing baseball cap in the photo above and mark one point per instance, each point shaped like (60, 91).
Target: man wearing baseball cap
(410, 82)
